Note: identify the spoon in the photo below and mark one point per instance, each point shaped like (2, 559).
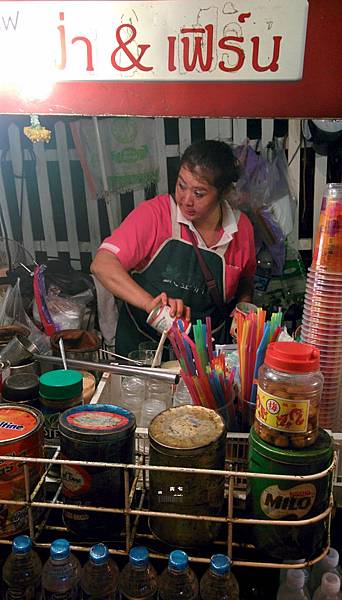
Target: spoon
(61, 347)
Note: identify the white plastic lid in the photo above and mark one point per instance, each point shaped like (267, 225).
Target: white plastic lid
(295, 578)
(330, 583)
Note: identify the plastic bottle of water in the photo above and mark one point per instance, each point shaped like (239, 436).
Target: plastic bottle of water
(328, 564)
(329, 588)
(218, 582)
(100, 575)
(293, 586)
(182, 395)
(22, 571)
(178, 580)
(61, 573)
(138, 579)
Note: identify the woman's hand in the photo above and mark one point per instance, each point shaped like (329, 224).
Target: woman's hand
(177, 307)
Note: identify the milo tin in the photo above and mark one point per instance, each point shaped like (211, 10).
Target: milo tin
(186, 436)
(21, 434)
(100, 433)
(285, 500)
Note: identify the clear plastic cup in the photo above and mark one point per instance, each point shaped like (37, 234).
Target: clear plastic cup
(327, 249)
(144, 357)
(151, 409)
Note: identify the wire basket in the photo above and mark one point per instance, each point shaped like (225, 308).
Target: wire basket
(135, 511)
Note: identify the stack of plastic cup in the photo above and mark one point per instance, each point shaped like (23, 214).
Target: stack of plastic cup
(322, 315)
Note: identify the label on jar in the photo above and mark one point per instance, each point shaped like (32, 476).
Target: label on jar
(297, 501)
(51, 430)
(282, 414)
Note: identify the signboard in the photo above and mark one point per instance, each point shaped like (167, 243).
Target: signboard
(238, 58)
(173, 40)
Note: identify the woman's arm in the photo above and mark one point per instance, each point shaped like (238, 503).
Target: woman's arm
(109, 271)
(244, 292)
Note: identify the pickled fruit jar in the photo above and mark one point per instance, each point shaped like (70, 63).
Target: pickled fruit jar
(288, 395)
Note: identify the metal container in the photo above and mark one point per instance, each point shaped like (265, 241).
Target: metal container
(29, 366)
(285, 500)
(186, 436)
(5, 370)
(21, 434)
(100, 433)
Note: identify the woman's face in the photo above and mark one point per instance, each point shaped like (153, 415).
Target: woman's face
(197, 199)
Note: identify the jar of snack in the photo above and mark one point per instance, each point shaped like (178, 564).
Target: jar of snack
(59, 389)
(289, 391)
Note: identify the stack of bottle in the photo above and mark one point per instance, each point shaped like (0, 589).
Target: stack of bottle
(321, 582)
(62, 576)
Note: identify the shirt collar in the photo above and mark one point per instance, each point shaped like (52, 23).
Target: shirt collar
(229, 225)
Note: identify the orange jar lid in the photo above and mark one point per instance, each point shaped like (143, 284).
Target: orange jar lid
(292, 357)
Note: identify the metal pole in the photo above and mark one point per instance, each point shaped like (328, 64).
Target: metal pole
(143, 372)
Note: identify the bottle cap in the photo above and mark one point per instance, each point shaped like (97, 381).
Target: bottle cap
(178, 560)
(60, 384)
(295, 577)
(220, 564)
(60, 549)
(292, 357)
(98, 554)
(21, 544)
(331, 560)
(330, 583)
(138, 556)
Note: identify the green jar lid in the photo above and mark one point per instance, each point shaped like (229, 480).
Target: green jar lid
(60, 384)
(321, 450)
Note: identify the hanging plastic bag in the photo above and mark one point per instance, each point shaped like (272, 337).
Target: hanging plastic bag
(12, 312)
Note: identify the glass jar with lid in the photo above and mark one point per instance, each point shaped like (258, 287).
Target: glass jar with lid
(58, 390)
(288, 395)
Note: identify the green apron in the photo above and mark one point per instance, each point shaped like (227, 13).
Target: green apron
(174, 269)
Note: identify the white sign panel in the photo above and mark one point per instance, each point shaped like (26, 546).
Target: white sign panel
(164, 40)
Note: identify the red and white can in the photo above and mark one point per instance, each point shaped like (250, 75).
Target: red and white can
(21, 434)
(161, 320)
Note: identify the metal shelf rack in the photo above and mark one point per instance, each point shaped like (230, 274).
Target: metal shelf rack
(134, 511)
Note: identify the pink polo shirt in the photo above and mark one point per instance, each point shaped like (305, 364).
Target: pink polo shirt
(138, 238)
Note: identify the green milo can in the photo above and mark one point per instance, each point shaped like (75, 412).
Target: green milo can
(289, 500)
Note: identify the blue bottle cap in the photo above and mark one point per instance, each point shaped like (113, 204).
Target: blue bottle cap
(178, 560)
(220, 564)
(98, 554)
(21, 544)
(138, 556)
(60, 549)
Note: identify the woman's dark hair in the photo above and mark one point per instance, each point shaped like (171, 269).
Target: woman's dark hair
(216, 161)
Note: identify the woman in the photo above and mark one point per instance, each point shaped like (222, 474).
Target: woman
(150, 258)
